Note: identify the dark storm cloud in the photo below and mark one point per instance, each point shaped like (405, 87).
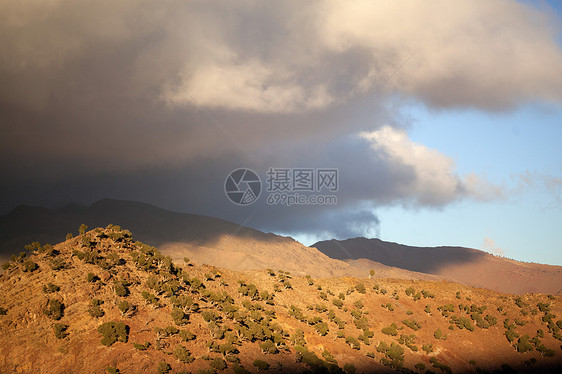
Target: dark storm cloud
(158, 102)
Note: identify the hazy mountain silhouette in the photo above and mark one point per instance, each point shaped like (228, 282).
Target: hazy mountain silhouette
(466, 265)
(209, 240)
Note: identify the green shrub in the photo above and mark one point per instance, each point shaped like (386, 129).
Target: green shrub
(218, 363)
(420, 366)
(124, 307)
(120, 289)
(60, 330)
(436, 364)
(321, 328)
(394, 354)
(239, 370)
(58, 263)
(361, 323)
(186, 335)
(338, 303)
(95, 309)
(439, 335)
(54, 309)
(427, 294)
(349, 368)
(428, 348)
(183, 355)
(353, 343)
(523, 345)
(112, 332)
(360, 287)
(298, 339)
(511, 334)
(260, 364)
(413, 324)
(179, 317)
(269, 347)
(172, 330)
(390, 330)
(30, 266)
(141, 347)
(50, 288)
(163, 368)
(82, 229)
(329, 358)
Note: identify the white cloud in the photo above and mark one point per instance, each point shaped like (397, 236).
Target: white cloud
(433, 181)
(489, 245)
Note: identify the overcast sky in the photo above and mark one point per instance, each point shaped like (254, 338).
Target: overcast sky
(442, 117)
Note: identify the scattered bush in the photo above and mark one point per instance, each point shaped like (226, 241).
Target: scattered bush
(523, 345)
(82, 229)
(428, 348)
(183, 355)
(413, 324)
(120, 289)
(186, 335)
(50, 288)
(112, 332)
(360, 287)
(95, 309)
(353, 343)
(54, 309)
(394, 354)
(436, 364)
(420, 366)
(439, 335)
(218, 363)
(179, 317)
(260, 364)
(269, 347)
(60, 330)
(163, 368)
(349, 368)
(141, 347)
(30, 266)
(390, 330)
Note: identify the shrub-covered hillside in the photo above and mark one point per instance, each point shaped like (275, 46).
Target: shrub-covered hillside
(102, 302)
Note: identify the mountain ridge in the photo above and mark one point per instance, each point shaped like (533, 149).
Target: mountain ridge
(465, 265)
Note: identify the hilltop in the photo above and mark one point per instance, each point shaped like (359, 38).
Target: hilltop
(103, 301)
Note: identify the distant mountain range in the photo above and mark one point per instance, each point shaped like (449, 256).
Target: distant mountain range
(209, 240)
(464, 265)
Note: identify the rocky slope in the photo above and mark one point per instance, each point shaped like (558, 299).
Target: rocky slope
(103, 302)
